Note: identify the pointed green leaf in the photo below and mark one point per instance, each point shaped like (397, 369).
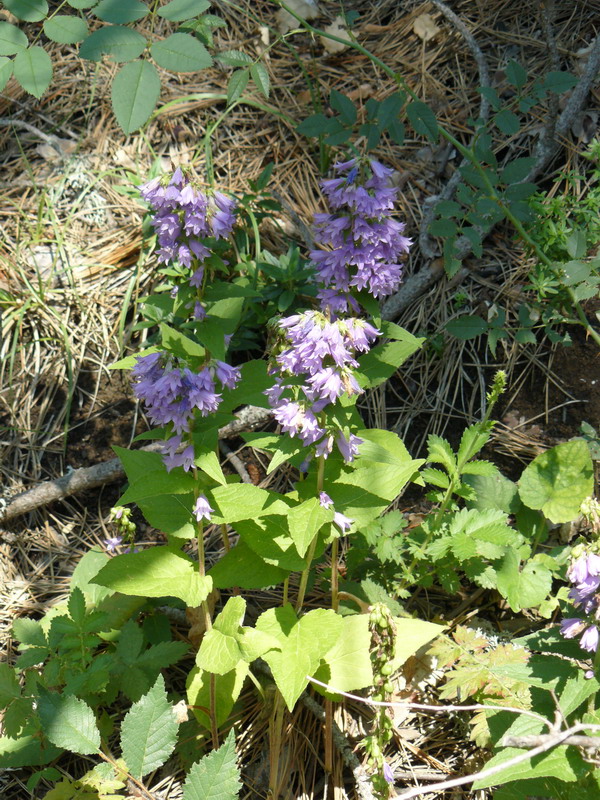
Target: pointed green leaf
(347, 665)
(12, 39)
(242, 567)
(245, 501)
(305, 521)
(260, 76)
(237, 84)
(33, 69)
(121, 11)
(181, 52)
(68, 722)
(411, 636)
(181, 10)
(156, 572)
(423, 119)
(65, 29)
(216, 776)
(227, 691)
(119, 44)
(149, 732)
(134, 93)
(234, 58)
(9, 685)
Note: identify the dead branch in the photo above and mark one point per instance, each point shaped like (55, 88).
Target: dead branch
(80, 480)
(589, 742)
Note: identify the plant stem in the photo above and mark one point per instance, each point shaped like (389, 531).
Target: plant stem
(335, 603)
(275, 742)
(312, 547)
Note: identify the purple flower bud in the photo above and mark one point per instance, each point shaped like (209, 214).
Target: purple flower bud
(589, 640)
(325, 500)
(227, 375)
(343, 522)
(112, 543)
(202, 509)
(348, 447)
(388, 773)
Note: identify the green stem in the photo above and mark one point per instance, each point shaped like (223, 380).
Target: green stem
(312, 547)
(335, 603)
(275, 741)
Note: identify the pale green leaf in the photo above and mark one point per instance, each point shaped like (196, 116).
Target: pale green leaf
(347, 665)
(411, 636)
(6, 70)
(227, 691)
(65, 29)
(121, 11)
(260, 76)
(12, 39)
(149, 731)
(557, 481)
(9, 685)
(181, 52)
(305, 521)
(523, 588)
(27, 10)
(181, 10)
(68, 722)
(134, 93)
(216, 776)
(33, 69)
(237, 84)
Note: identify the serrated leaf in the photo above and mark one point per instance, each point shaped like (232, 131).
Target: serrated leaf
(33, 69)
(344, 106)
(134, 93)
(12, 39)
(9, 685)
(423, 119)
(181, 10)
(260, 76)
(156, 572)
(237, 84)
(315, 125)
(149, 732)
(65, 29)
(181, 52)
(121, 11)
(27, 10)
(216, 776)
(440, 452)
(235, 58)
(515, 74)
(557, 481)
(507, 122)
(68, 722)
(120, 44)
(469, 326)
(6, 70)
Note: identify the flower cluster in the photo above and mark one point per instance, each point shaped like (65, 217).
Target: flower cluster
(172, 394)
(584, 574)
(323, 353)
(183, 216)
(367, 244)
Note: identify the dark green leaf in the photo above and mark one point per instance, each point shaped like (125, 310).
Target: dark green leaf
(121, 11)
(181, 52)
(314, 125)
(344, 106)
(396, 131)
(33, 69)
(491, 95)
(134, 93)
(180, 10)
(423, 120)
(389, 109)
(116, 41)
(27, 10)
(559, 81)
(260, 76)
(515, 74)
(468, 327)
(6, 70)
(235, 58)
(443, 227)
(242, 567)
(237, 84)
(517, 170)
(65, 29)
(507, 122)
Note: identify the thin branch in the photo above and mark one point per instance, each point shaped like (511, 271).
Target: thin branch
(80, 480)
(236, 462)
(526, 742)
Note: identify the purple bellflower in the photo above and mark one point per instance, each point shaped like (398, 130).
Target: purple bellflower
(584, 574)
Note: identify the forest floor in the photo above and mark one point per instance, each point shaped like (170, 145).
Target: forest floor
(72, 273)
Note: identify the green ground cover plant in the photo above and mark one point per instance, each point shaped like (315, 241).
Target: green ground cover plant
(326, 344)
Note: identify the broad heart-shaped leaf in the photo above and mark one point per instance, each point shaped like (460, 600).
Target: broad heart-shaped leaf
(148, 476)
(121, 11)
(303, 642)
(382, 361)
(270, 539)
(216, 776)
(525, 588)
(156, 572)
(305, 521)
(33, 69)
(235, 502)
(120, 44)
(411, 635)
(181, 52)
(68, 722)
(180, 10)
(242, 567)
(251, 388)
(12, 39)
(27, 10)
(557, 481)
(171, 514)
(149, 731)
(228, 688)
(65, 29)
(134, 93)
(347, 666)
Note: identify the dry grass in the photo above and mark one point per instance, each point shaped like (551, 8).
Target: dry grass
(70, 261)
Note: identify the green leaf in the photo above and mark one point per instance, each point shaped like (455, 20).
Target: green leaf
(494, 491)
(179, 344)
(270, 539)
(344, 106)
(134, 93)
(440, 452)
(347, 665)
(564, 763)
(507, 122)
(12, 39)
(237, 84)
(65, 29)
(559, 81)
(68, 722)
(149, 732)
(80, 4)
(156, 572)
(557, 481)
(423, 119)
(411, 636)
(148, 477)
(181, 10)
(242, 567)
(305, 521)
(303, 643)
(27, 10)
(525, 588)
(260, 76)
(235, 58)
(517, 170)
(236, 502)
(315, 125)
(26, 751)
(515, 74)
(121, 11)
(382, 361)
(33, 69)
(227, 691)
(171, 514)
(181, 52)
(9, 685)
(468, 326)
(119, 44)
(216, 776)
(6, 70)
